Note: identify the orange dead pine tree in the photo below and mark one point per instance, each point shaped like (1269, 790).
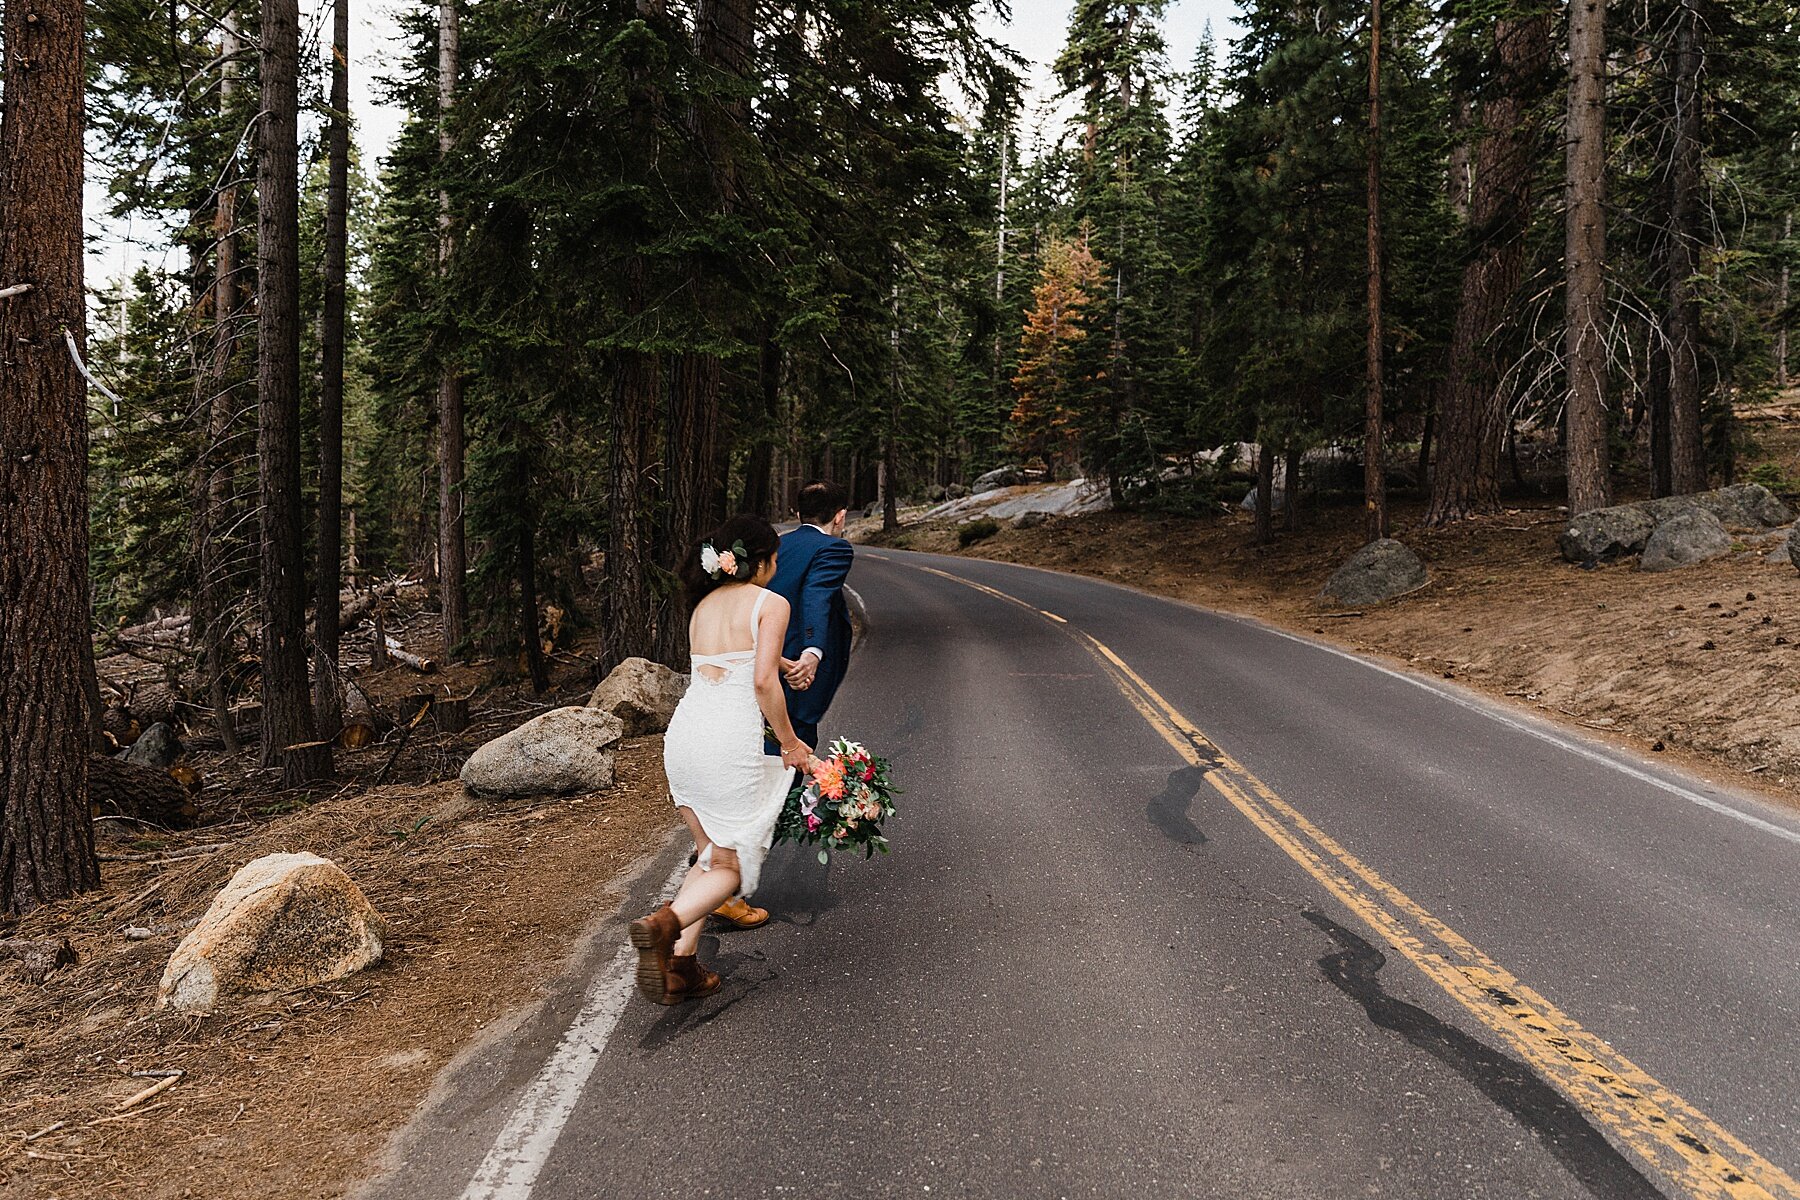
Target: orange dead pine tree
(1054, 379)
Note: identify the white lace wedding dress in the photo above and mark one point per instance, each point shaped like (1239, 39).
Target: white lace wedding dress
(713, 753)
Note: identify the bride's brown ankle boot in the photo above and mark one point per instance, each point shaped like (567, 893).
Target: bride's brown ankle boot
(654, 936)
(688, 980)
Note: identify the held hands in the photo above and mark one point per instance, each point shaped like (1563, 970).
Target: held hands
(800, 672)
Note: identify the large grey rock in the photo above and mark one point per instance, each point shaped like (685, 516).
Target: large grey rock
(1750, 505)
(998, 478)
(1793, 546)
(1687, 537)
(1745, 505)
(1606, 533)
(642, 694)
(157, 746)
(567, 750)
(284, 921)
(1379, 571)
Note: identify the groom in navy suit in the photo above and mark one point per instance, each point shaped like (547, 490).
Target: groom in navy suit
(809, 571)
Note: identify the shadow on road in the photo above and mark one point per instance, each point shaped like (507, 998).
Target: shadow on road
(1558, 1125)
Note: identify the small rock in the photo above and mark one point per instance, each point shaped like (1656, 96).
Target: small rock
(1379, 571)
(1793, 547)
(1606, 534)
(567, 750)
(137, 933)
(642, 694)
(283, 921)
(956, 491)
(1030, 519)
(157, 746)
(1688, 537)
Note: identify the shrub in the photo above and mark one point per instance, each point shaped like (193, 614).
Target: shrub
(975, 531)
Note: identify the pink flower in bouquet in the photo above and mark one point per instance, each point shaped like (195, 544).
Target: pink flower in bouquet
(727, 562)
(813, 822)
(871, 809)
(841, 833)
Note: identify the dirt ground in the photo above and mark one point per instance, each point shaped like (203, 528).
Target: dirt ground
(295, 1095)
(1701, 663)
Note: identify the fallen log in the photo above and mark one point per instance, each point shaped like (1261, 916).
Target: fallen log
(39, 958)
(401, 655)
(361, 722)
(145, 793)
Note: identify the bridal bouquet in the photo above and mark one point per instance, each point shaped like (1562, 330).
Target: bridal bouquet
(839, 802)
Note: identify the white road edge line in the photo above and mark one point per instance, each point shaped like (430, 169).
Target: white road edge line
(524, 1143)
(1543, 735)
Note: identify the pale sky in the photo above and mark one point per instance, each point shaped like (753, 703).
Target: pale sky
(1037, 30)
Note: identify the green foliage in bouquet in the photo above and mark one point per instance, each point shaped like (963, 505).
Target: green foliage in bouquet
(839, 803)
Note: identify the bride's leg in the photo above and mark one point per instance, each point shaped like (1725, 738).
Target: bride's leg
(701, 892)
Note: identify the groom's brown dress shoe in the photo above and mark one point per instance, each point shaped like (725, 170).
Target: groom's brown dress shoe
(654, 936)
(737, 910)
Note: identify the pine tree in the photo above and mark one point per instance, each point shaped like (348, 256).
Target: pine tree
(288, 737)
(1054, 383)
(46, 832)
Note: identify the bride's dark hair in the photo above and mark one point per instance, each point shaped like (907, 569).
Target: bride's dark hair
(758, 541)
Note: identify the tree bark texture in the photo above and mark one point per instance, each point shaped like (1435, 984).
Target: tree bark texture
(452, 541)
(1681, 321)
(328, 575)
(1265, 494)
(1375, 520)
(46, 834)
(1472, 416)
(1584, 261)
(221, 444)
(287, 716)
(724, 35)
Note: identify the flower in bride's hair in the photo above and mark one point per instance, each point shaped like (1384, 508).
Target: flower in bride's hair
(727, 562)
(709, 559)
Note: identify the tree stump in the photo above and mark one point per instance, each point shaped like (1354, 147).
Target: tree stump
(39, 958)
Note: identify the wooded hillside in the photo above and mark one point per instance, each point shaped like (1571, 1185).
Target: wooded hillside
(635, 264)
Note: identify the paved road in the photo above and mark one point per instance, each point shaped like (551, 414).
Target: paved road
(1183, 906)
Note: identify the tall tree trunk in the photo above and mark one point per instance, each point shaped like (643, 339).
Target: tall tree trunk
(1375, 520)
(452, 545)
(758, 468)
(329, 574)
(525, 573)
(216, 385)
(1265, 494)
(628, 605)
(724, 36)
(1584, 334)
(1681, 322)
(1472, 415)
(46, 831)
(288, 737)
(1781, 306)
(1290, 488)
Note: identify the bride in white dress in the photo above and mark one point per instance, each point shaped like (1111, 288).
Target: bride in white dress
(728, 790)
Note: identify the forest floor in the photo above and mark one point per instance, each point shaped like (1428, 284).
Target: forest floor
(1701, 663)
(295, 1095)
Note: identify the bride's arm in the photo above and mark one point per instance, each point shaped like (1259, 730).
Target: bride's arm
(769, 696)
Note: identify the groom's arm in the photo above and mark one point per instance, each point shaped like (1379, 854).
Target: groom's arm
(829, 568)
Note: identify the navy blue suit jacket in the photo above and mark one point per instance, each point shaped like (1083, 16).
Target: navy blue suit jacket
(810, 573)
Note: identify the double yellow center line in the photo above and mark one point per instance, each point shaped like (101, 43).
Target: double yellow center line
(1690, 1151)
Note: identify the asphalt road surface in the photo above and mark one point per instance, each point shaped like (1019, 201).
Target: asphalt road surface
(1183, 906)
